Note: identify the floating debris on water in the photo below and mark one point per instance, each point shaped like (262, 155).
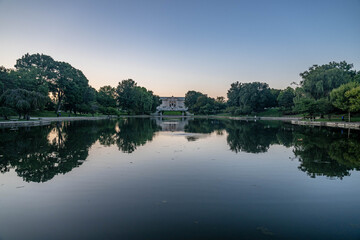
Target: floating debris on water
(265, 231)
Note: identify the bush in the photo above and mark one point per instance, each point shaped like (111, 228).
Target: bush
(6, 112)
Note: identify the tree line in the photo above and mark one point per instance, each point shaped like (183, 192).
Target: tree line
(38, 82)
(324, 90)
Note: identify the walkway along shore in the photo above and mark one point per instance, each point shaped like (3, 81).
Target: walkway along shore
(46, 121)
(347, 125)
(293, 120)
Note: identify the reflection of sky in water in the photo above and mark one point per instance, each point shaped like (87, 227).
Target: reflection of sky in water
(173, 188)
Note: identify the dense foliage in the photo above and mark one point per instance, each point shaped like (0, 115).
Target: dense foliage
(22, 101)
(40, 82)
(323, 90)
(246, 98)
(61, 87)
(135, 99)
(199, 103)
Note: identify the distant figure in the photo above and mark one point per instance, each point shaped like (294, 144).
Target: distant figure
(342, 118)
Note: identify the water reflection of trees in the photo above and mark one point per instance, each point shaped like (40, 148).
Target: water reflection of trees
(38, 154)
(199, 125)
(253, 137)
(325, 152)
(134, 132)
(320, 151)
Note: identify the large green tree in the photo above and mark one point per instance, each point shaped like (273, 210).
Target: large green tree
(200, 103)
(64, 81)
(347, 97)
(286, 98)
(250, 97)
(106, 96)
(6, 82)
(125, 94)
(29, 79)
(319, 81)
(23, 101)
(135, 99)
(306, 106)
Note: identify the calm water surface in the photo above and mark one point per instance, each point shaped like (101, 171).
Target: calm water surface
(179, 179)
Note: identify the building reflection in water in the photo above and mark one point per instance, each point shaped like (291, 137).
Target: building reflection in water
(172, 124)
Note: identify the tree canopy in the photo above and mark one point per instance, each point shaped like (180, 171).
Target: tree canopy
(347, 97)
(22, 101)
(135, 99)
(200, 103)
(319, 81)
(64, 81)
(250, 97)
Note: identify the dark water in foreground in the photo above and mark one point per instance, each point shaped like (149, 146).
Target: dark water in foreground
(175, 179)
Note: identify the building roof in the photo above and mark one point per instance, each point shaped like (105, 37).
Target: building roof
(178, 98)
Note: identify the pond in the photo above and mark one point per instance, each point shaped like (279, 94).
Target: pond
(142, 178)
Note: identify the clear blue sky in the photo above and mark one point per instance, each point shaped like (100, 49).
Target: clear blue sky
(172, 46)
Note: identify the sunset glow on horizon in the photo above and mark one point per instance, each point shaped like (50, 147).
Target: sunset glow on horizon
(171, 47)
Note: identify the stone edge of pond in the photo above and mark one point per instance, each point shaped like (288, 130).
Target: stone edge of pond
(294, 120)
(46, 121)
(347, 125)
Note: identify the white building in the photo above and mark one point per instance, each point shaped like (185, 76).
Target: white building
(172, 104)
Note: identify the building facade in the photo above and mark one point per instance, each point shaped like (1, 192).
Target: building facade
(172, 104)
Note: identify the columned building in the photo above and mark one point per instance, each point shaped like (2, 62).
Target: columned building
(172, 104)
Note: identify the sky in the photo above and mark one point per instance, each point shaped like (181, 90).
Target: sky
(172, 46)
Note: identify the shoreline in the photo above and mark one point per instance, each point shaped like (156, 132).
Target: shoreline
(344, 125)
(43, 121)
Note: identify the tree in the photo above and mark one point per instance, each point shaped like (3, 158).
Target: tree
(106, 96)
(23, 101)
(325, 107)
(135, 99)
(199, 103)
(64, 81)
(156, 102)
(220, 99)
(191, 97)
(306, 106)
(354, 98)
(319, 81)
(30, 79)
(250, 97)
(143, 100)
(6, 82)
(286, 98)
(347, 97)
(6, 112)
(125, 92)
